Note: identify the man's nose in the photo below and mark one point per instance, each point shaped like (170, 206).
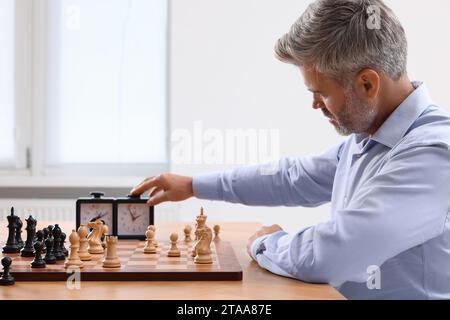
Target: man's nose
(317, 105)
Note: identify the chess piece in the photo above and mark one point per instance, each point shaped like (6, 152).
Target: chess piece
(187, 233)
(83, 252)
(38, 262)
(174, 251)
(200, 225)
(216, 232)
(50, 231)
(19, 233)
(6, 279)
(28, 249)
(152, 227)
(46, 232)
(203, 246)
(49, 256)
(150, 245)
(11, 245)
(95, 244)
(63, 247)
(200, 222)
(57, 250)
(111, 260)
(74, 259)
(104, 233)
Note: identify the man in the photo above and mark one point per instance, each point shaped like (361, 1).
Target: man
(388, 183)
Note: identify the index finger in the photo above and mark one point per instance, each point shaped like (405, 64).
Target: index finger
(145, 185)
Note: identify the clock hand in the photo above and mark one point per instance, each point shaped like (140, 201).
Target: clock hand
(131, 213)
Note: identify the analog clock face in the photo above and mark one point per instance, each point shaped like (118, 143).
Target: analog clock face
(132, 218)
(94, 211)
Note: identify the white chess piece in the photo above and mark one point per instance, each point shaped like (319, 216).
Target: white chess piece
(187, 233)
(149, 245)
(111, 260)
(216, 232)
(83, 252)
(95, 243)
(74, 259)
(152, 227)
(173, 251)
(104, 234)
(203, 246)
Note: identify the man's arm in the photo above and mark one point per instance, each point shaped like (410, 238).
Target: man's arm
(305, 181)
(405, 205)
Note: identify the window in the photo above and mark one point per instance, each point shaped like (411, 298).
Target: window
(98, 93)
(7, 116)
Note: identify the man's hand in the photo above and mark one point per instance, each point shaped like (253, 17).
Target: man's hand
(166, 187)
(261, 232)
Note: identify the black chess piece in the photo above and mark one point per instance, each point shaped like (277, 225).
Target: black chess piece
(50, 231)
(57, 251)
(11, 245)
(38, 262)
(28, 249)
(6, 279)
(19, 233)
(46, 232)
(49, 256)
(63, 247)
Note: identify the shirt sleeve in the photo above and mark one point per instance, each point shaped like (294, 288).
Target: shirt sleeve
(403, 206)
(305, 181)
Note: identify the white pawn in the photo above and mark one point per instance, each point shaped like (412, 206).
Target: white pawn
(74, 259)
(152, 227)
(187, 233)
(149, 246)
(174, 251)
(216, 232)
(111, 260)
(83, 250)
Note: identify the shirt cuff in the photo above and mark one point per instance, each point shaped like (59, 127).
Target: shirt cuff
(206, 186)
(258, 246)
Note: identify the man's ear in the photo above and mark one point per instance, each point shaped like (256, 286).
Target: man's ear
(367, 84)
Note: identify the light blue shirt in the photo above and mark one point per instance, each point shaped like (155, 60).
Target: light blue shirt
(390, 208)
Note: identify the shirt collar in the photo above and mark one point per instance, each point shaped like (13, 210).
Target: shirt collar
(398, 123)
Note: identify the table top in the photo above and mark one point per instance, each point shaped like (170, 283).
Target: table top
(257, 283)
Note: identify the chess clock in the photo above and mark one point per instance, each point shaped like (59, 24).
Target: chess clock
(95, 207)
(132, 216)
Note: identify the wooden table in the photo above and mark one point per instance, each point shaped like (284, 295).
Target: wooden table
(257, 283)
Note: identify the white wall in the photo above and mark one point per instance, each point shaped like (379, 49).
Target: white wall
(223, 72)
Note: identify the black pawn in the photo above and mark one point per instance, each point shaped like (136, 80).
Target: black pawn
(6, 279)
(19, 233)
(50, 231)
(59, 255)
(28, 249)
(38, 262)
(11, 245)
(63, 247)
(49, 256)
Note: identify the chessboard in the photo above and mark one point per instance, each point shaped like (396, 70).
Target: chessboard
(138, 266)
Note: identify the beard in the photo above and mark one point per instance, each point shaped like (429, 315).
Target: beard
(357, 116)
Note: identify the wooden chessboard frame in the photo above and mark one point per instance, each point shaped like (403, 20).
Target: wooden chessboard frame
(143, 267)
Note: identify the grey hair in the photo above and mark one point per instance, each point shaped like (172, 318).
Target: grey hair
(335, 38)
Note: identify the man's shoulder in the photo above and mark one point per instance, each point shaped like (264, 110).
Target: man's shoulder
(431, 129)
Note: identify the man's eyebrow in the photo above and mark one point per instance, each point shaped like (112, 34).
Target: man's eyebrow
(314, 91)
